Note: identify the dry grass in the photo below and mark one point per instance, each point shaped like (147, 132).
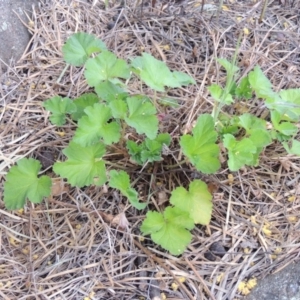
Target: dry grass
(65, 248)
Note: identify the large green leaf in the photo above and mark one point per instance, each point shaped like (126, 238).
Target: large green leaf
(59, 107)
(201, 148)
(95, 125)
(84, 165)
(157, 75)
(22, 182)
(105, 66)
(169, 229)
(80, 46)
(142, 116)
(196, 202)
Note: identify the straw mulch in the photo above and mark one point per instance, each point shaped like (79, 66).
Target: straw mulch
(68, 247)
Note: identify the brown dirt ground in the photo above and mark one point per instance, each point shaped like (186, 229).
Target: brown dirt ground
(64, 248)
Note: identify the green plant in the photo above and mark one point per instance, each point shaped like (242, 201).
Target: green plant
(105, 117)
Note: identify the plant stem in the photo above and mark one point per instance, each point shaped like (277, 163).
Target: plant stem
(230, 80)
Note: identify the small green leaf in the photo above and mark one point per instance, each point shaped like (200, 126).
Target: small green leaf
(169, 102)
(82, 103)
(169, 229)
(250, 122)
(118, 108)
(200, 148)
(121, 181)
(295, 149)
(215, 91)
(105, 66)
(59, 107)
(260, 138)
(290, 104)
(109, 91)
(183, 78)
(256, 129)
(244, 89)
(80, 46)
(157, 75)
(196, 202)
(219, 95)
(95, 125)
(228, 66)
(285, 128)
(142, 116)
(164, 139)
(22, 182)
(240, 153)
(84, 165)
(261, 84)
(151, 151)
(153, 72)
(135, 151)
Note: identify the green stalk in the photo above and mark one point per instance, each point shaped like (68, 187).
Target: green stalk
(230, 80)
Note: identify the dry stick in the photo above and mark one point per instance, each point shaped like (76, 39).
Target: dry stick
(207, 291)
(263, 11)
(164, 266)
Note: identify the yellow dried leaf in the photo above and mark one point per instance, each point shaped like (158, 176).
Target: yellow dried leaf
(230, 179)
(253, 220)
(60, 133)
(241, 286)
(21, 211)
(182, 279)
(225, 8)
(165, 47)
(247, 250)
(266, 230)
(220, 277)
(293, 219)
(58, 187)
(25, 250)
(13, 242)
(278, 250)
(251, 283)
(174, 286)
(292, 198)
(246, 31)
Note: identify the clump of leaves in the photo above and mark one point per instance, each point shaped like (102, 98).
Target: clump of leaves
(104, 118)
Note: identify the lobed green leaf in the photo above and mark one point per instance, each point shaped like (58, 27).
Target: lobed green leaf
(59, 107)
(95, 125)
(200, 148)
(196, 202)
(121, 181)
(169, 229)
(80, 46)
(22, 182)
(84, 165)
